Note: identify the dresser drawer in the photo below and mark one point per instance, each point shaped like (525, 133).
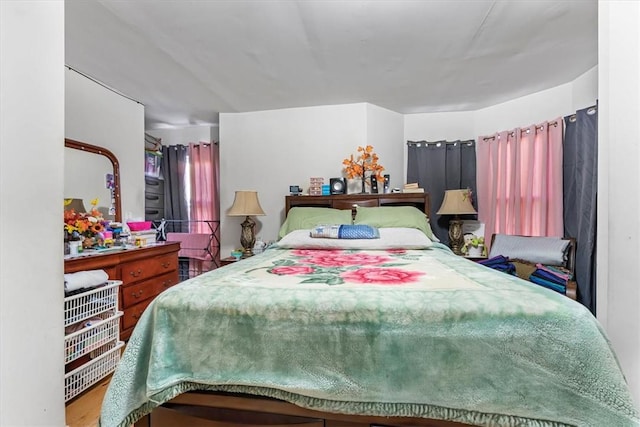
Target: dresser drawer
(153, 185)
(137, 271)
(132, 314)
(140, 291)
(153, 214)
(153, 201)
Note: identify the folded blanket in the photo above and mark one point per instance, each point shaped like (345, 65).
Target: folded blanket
(345, 231)
(84, 279)
(549, 277)
(558, 271)
(548, 284)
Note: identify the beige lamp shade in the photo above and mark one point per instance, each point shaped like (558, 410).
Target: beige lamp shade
(456, 202)
(246, 204)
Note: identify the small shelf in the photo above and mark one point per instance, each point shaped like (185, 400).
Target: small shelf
(89, 338)
(105, 359)
(91, 303)
(92, 344)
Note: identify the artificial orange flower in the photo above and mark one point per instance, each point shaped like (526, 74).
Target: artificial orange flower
(97, 228)
(87, 224)
(367, 161)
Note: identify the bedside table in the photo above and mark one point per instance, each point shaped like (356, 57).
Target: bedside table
(228, 260)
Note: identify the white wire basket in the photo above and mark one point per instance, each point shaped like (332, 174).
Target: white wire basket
(91, 303)
(89, 338)
(105, 360)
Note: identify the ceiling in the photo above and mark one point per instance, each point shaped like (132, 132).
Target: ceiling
(187, 61)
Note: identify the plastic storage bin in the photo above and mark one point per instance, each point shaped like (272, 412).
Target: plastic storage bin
(95, 343)
(105, 361)
(87, 339)
(91, 303)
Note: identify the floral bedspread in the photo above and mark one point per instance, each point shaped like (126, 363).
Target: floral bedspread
(420, 333)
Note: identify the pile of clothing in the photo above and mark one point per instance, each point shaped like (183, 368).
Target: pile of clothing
(500, 263)
(549, 276)
(82, 281)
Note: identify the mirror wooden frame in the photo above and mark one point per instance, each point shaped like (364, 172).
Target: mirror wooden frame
(83, 146)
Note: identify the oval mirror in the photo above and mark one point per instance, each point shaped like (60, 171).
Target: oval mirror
(91, 173)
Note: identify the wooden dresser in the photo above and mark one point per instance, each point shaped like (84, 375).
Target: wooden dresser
(145, 272)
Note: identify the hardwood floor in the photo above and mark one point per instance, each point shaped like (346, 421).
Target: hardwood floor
(84, 410)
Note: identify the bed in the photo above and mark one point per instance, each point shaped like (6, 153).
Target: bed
(392, 330)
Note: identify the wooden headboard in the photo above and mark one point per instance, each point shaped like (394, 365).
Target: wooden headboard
(347, 201)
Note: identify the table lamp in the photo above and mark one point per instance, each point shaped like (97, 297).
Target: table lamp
(456, 202)
(246, 204)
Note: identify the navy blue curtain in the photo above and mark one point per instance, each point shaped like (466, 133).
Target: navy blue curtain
(438, 166)
(174, 164)
(580, 174)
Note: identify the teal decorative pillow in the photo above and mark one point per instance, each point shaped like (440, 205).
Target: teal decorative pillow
(395, 216)
(306, 218)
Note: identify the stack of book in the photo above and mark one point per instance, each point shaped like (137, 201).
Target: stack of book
(412, 188)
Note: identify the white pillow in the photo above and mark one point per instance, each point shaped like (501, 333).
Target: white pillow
(390, 238)
(543, 250)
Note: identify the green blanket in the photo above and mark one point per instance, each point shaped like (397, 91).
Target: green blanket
(419, 333)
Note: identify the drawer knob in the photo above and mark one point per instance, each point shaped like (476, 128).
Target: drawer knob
(137, 315)
(166, 264)
(166, 283)
(136, 273)
(137, 294)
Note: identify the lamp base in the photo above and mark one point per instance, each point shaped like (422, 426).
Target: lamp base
(247, 238)
(456, 240)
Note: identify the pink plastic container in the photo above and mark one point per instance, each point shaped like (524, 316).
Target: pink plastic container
(139, 225)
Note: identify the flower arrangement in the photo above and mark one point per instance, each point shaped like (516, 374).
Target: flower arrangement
(85, 226)
(366, 161)
(475, 242)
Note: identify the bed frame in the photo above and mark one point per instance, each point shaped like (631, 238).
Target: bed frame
(202, 409)
(350, 201)
(217, 409)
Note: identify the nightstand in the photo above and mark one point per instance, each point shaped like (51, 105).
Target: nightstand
(228, 260)
(475, 258)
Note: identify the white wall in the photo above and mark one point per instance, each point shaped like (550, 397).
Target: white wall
(524, 111)
(269, 150)
(31, 158)
(535, 108)
(186, 135)
(384, 132)
(618, 293)
(99, 116)
(585, 89)
(559, 101)
(440, 126)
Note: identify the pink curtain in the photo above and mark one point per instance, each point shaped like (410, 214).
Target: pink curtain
(205, 199)
(519, 181)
